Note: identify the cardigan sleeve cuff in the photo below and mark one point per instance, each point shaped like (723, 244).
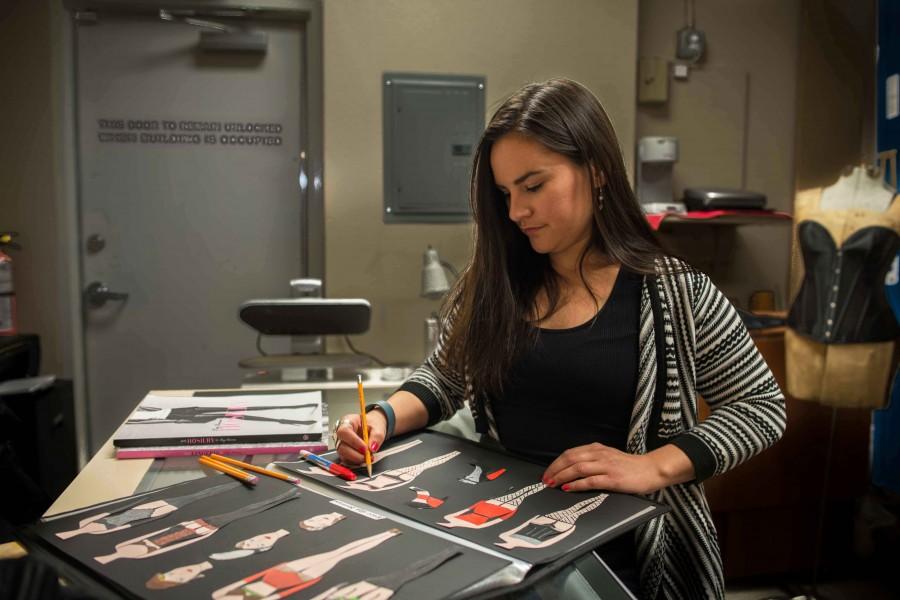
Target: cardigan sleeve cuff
(698, 452)
(431, 402)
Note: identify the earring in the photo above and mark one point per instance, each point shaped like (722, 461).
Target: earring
(600, 198)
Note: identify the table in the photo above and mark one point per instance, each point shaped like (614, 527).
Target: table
(106, 478)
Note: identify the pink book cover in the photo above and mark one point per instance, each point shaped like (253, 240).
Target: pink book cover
(238, 449)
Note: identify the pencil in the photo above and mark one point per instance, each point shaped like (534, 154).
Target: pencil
(248, 467)
(362, 418)
(236, 473)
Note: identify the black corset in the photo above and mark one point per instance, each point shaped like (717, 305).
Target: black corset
(842, 300)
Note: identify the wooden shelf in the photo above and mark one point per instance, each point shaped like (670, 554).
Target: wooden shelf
(718, 218)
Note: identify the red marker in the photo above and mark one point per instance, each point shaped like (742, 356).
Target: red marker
(339, 470)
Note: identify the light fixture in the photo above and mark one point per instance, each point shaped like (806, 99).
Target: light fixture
(434, 279)
(434, 286)
(217, 36)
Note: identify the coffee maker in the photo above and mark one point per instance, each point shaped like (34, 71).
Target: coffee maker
(656, 158)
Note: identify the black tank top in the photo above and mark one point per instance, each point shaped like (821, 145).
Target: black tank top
(575, 387)
(578, 385)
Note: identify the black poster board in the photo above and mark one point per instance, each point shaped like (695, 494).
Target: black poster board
(535, 524)
(354, 550)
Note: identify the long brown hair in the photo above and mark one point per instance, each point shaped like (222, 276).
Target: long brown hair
(492, 304)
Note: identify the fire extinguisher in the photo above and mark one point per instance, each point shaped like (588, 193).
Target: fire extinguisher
(8, 321)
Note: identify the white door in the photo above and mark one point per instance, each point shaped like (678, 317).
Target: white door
(190, 172)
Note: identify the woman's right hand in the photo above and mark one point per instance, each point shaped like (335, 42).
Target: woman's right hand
(348, 436)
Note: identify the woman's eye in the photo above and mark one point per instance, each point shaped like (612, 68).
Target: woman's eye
(533, 188)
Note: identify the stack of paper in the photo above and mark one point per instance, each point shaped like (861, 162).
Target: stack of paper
(224, 423)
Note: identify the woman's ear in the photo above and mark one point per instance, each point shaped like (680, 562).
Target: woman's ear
(598, 177)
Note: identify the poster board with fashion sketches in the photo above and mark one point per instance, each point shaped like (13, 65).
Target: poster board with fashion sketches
(487, 497)
(214, 539)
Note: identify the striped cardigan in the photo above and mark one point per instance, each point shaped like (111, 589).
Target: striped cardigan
(691, 342)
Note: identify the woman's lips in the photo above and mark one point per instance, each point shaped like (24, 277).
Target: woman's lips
(531, 230)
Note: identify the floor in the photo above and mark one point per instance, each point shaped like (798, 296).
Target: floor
(870, 563)
(840, 590)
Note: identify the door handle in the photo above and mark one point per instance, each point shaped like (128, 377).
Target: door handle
(97, 294)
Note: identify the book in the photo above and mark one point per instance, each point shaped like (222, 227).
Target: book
(235, 449)
(219, 420)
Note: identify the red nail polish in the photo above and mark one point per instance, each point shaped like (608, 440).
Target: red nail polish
(550, 483)
(374, 446)
(565, 488)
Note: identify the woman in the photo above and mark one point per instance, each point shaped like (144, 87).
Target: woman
(575, 340)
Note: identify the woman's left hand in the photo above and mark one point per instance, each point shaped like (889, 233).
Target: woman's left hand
(599, 467)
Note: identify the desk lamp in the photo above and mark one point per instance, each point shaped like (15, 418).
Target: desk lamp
(434, 280)
(434, 286)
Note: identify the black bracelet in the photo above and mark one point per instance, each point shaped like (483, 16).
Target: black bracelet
(388, 411)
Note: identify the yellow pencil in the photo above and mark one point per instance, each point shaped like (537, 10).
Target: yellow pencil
(248, 467)
(228, 470)
(362, 418)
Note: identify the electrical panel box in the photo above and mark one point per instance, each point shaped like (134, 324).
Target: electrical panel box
(653, 80)
(432, 124)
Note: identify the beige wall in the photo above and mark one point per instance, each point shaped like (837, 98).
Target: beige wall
(835, 89)
(835, 125)
(751, 41)
(510, 42)
(28, 177)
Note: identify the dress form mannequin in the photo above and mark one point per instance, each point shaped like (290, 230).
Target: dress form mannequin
(828, 359)
(857, 190)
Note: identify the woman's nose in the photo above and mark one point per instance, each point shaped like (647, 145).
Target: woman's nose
(518, 208)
